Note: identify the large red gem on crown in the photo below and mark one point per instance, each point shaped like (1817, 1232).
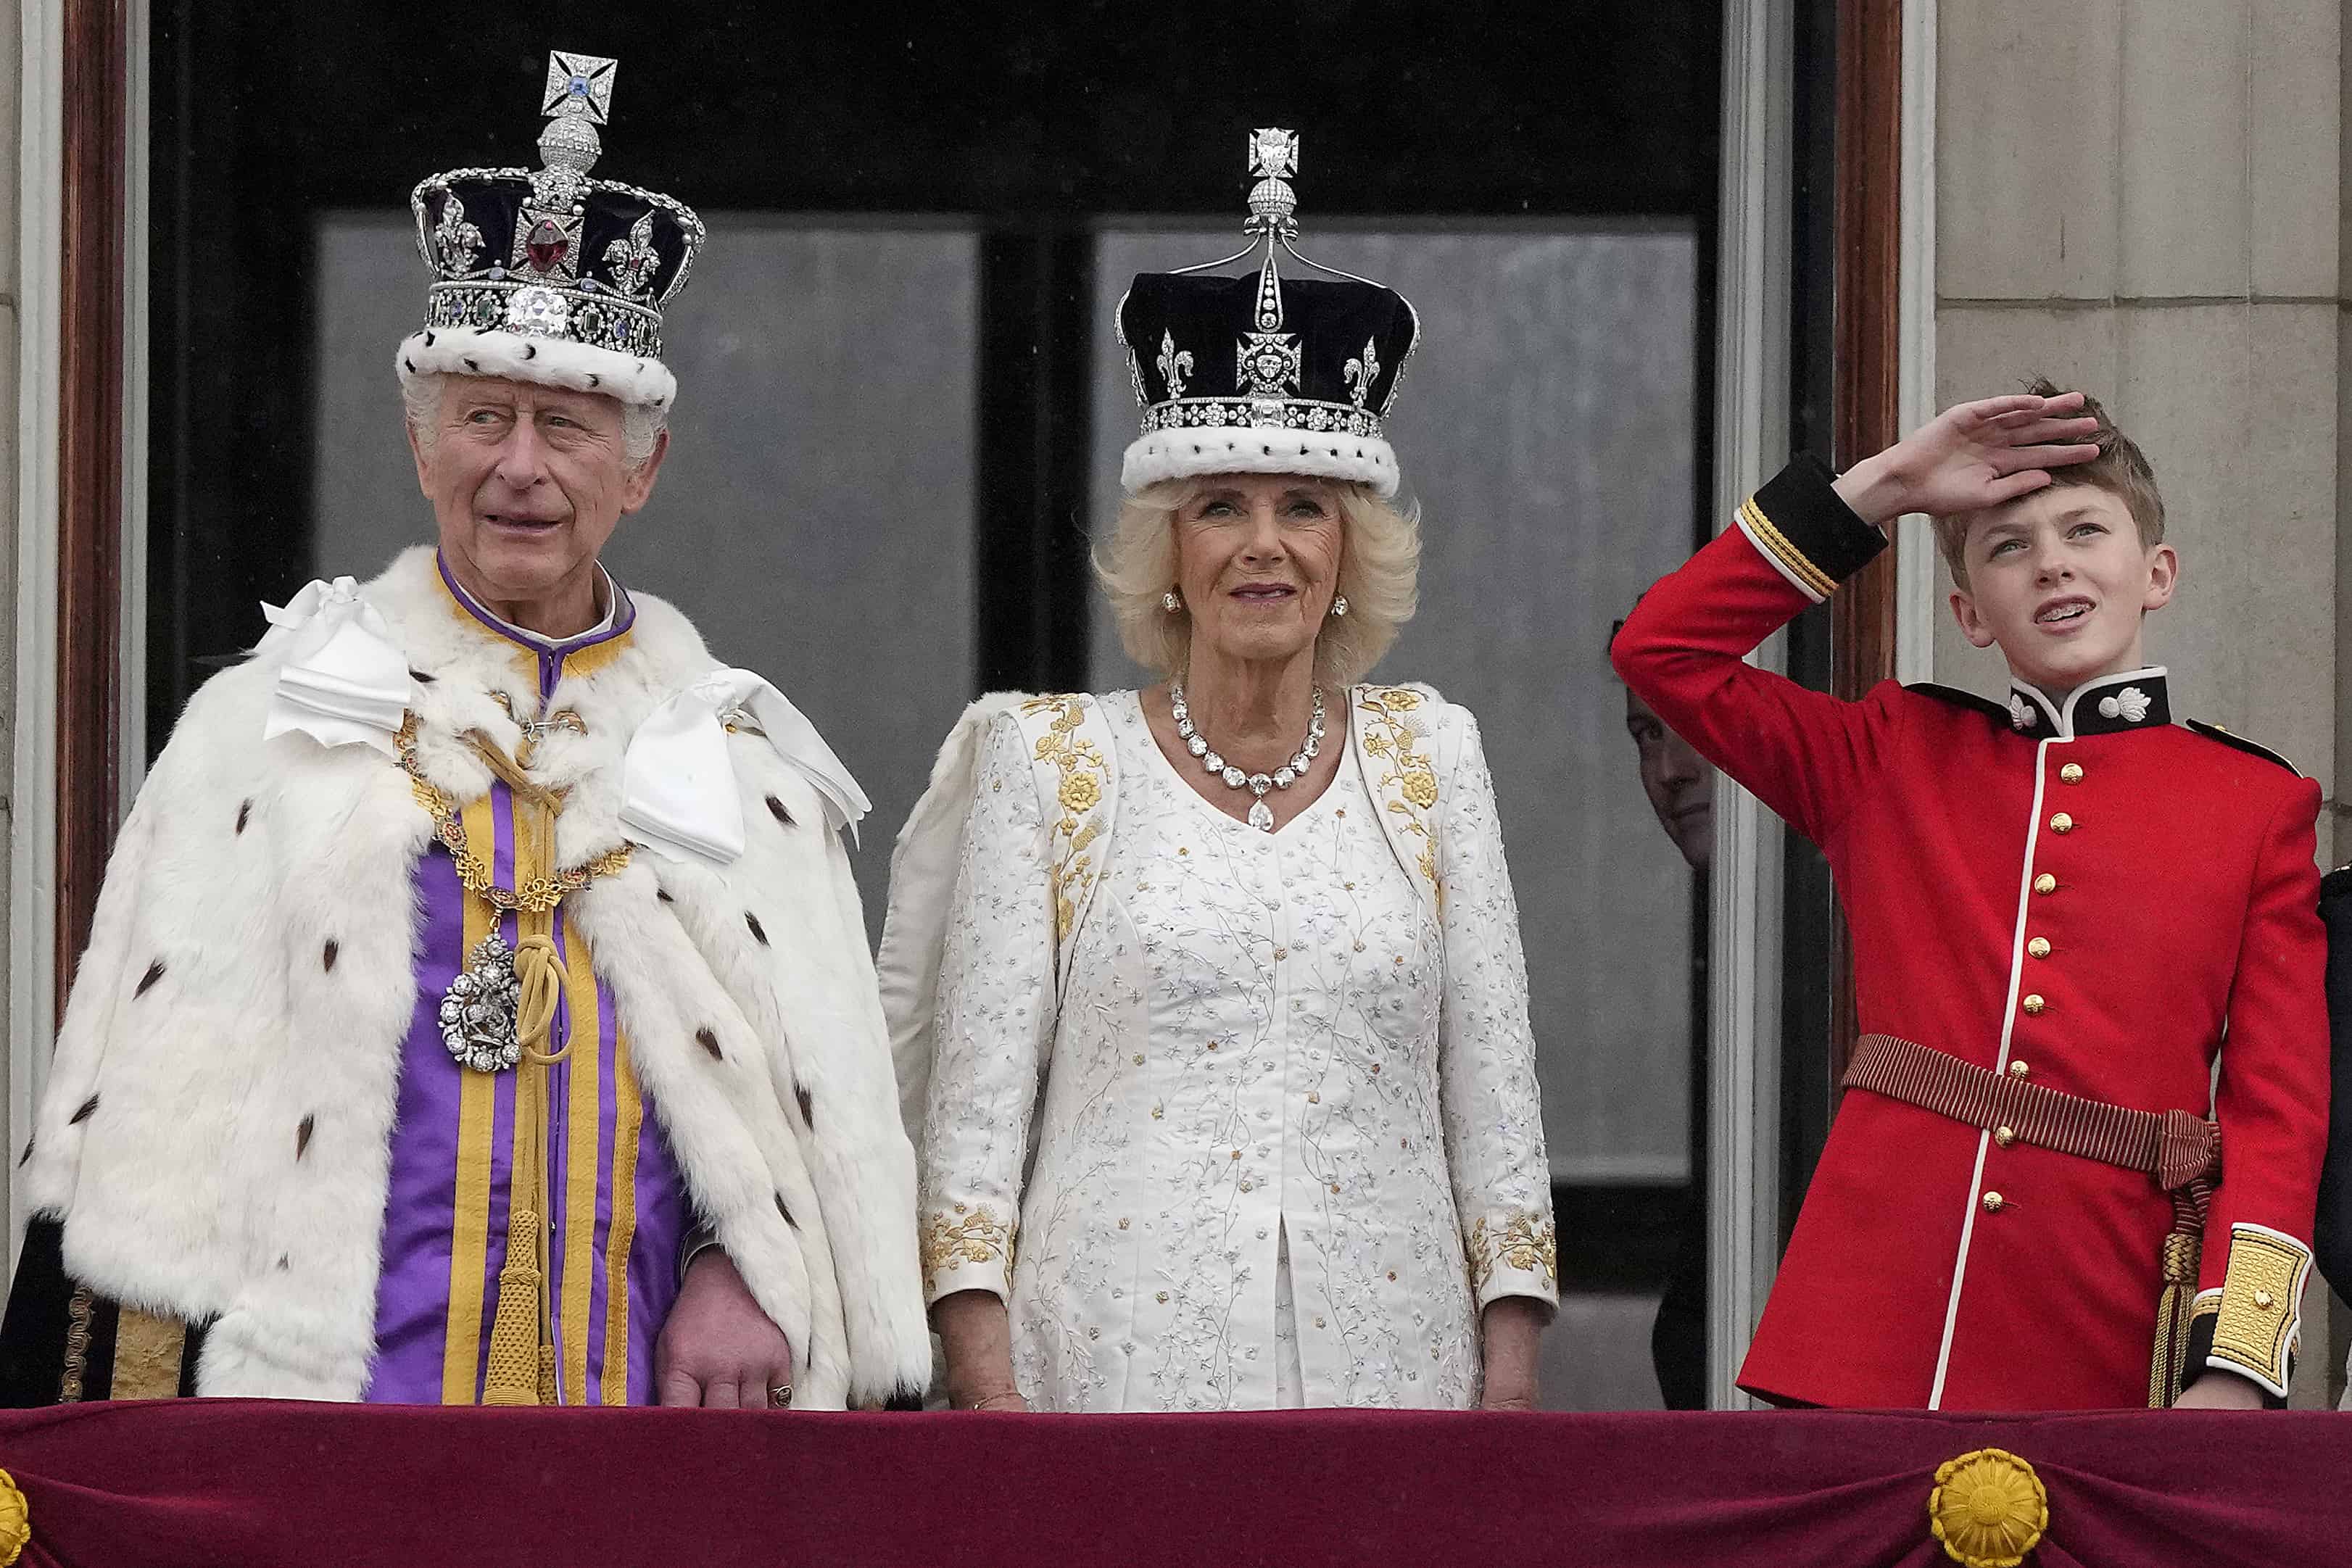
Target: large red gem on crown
(545, 246)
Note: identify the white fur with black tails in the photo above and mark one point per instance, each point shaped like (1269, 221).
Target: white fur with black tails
(525, 357)
(216, 1131)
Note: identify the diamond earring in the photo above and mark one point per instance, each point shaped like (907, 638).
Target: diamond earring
(1169, 602)
(1340, 605)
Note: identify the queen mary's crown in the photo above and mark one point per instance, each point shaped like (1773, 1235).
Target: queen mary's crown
(1261, 373)
(549, 274)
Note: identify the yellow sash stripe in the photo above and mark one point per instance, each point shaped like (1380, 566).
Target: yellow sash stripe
(469, 1241)
(1789, 555)
(628, 1111)
(580, 1168)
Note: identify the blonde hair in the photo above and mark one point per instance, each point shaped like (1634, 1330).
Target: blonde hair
(1380, 569)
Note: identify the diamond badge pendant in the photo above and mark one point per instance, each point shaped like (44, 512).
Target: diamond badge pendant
(1261, 816)
(477, 1011)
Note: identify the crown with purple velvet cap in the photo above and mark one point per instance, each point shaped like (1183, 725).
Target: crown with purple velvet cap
(1261, 373)
(547, 274)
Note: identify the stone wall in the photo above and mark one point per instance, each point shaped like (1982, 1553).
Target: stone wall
(2142, 198)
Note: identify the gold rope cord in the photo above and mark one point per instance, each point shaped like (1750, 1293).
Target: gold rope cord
(536, 894)
(522, 1351)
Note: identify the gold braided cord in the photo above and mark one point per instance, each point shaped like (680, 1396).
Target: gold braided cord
(534, 894)
(1785, 549)
(2175, 1315)
(521, 1369)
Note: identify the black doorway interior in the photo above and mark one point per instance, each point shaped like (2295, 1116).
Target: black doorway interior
(1032, 123)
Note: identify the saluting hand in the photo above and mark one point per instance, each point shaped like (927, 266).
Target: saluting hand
(1970, 457)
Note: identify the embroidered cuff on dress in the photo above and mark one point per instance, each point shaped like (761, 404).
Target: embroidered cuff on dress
(1513, 1253)
(2252, 1324)
(1799, 524)
(967, 1248)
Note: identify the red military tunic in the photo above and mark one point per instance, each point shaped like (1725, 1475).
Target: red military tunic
(2085, 894)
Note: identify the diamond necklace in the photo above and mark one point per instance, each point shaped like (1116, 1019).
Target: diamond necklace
(1261, 815)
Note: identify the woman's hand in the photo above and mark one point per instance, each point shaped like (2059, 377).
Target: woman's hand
(1513, 1327)
(1970, 457)
(977, 1337)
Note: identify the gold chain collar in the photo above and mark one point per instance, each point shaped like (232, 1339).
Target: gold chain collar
(535, 896)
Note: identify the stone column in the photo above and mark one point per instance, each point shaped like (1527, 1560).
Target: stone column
(2143, 199)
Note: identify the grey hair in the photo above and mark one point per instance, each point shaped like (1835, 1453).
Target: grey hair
(1380, 570)
(641, 426)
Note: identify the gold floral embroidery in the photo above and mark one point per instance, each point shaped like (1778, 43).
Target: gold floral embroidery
(1409, 787)
(536, 895)
(1083, 770)
(1527, 1242)
(950, 1241)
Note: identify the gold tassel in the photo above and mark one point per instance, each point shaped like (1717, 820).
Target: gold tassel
(2174, 1309)
(521, 1369)
(512, 1376)
(522, 1359)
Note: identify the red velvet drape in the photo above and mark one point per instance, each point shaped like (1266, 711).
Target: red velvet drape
(194, 1483)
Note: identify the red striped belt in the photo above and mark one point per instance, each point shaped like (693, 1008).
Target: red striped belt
(2180, 1150)
(2177, 1148)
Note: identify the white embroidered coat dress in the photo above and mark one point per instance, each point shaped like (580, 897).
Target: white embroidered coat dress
(1277, 1141)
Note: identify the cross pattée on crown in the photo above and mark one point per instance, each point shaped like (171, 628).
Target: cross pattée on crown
(580, 84)
(579, 96)
(1272, 158)
(1273, 153)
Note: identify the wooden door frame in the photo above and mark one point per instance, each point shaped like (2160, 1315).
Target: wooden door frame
(1866, 379)
(94, 210)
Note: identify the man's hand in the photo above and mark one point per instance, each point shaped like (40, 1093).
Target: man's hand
(1970, 457)
(976, 1335)
(1512, 1325)
(2219, 1391)
(719, 1350)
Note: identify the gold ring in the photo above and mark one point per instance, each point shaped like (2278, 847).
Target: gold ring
(780, 1397)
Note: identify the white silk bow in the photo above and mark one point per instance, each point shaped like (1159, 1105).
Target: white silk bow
(345, 680)
(677, 788)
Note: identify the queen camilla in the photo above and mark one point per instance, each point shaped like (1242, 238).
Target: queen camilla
(1208, 999)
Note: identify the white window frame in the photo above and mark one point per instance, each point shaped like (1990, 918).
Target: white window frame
(1752, 365)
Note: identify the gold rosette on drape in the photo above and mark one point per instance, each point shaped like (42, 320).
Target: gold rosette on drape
(16, 1520)
(1987, 1508)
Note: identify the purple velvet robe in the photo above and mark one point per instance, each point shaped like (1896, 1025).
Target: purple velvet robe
(619, 1208)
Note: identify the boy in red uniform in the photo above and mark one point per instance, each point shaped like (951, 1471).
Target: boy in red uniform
(2060, 906)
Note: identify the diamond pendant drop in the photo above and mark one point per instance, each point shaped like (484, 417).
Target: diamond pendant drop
(1261, 815)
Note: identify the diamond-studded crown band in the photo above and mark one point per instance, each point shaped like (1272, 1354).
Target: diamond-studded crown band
(599, 319)
(1264, 413)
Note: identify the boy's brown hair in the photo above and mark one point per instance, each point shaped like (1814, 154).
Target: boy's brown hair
(2121, 469)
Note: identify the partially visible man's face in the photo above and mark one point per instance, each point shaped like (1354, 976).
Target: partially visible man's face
(527, 483)
(1679, 782)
